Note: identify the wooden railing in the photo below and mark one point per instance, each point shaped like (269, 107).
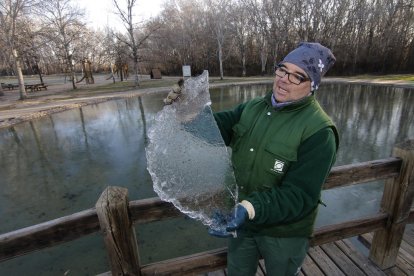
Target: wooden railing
(114, 216)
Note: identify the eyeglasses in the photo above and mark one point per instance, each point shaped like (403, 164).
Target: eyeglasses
(292, 77)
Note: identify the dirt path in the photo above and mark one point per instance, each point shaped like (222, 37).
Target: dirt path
(60, 97)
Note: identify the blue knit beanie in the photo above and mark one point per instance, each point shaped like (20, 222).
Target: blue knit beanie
(314, 59)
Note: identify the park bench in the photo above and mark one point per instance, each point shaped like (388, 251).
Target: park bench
(8, 86)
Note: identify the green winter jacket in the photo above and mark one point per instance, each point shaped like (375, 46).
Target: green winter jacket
(281, 158)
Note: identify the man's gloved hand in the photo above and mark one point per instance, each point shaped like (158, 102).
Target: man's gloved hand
(234, 222)
(174, 93)
(222, 233)
(238, 218)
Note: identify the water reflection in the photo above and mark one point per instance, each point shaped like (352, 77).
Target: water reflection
(371, 119)
(71, 157)
(58, 165)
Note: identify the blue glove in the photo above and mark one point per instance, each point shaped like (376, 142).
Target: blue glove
(219, 219)
(235, 221)
(238, 218)
(221, 233)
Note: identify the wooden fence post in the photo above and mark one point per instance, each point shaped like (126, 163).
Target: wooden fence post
(119, 235)
(396, 201)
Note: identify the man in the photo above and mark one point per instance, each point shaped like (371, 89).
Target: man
(283, 147)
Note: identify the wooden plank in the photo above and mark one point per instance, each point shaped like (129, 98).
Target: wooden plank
(152, 209)
(363, 172)
(409, 234)
(189, 265)
(359, 259)
(322, 260)
(77, 225)
(397, 200)
(405, 266)
(407, 257)
(395, 271)
(341, 260)
(401, 261)
(309, 267)
(407, 247)
(48, 234)
(118, 231)
(74, 226)
(349, 229)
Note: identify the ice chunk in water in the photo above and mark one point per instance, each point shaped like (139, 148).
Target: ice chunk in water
(188, 160)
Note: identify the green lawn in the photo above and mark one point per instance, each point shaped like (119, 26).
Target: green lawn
(396, 77)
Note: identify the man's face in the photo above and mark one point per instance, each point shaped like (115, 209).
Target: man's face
(286, 91)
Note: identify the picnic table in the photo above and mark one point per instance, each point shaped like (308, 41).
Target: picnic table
(35, 87)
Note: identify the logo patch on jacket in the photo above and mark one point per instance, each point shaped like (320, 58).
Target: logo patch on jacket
(278, 166)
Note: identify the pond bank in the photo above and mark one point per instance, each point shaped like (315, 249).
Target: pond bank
(59, 98)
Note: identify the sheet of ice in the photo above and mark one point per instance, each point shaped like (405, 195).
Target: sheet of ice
(188, 160)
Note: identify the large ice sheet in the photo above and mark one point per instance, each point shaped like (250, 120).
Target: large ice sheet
(188, 160)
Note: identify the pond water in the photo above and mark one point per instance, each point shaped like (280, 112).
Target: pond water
(60, 164)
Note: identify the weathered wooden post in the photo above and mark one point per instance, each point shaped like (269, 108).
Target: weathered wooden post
(396, 201)
(119, 235)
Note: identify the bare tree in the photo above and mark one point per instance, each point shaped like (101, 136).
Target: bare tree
(241, 30)
(63, 22)
(12, 15)
(184, 37)
(219, 20)
(365, 35)
(127, 18)
(134, 42)
(259, 22)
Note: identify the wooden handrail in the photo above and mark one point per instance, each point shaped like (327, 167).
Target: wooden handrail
(47, 234)
(363, 172)
(397, 199)
(216, 259)
(188, 265)
(77, 225)
(340, 231)
(152, 209)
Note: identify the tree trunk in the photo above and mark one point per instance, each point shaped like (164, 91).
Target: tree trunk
(19, 73)
(263, 60)
(220, 54)
(72, 73)
(136, 68)
(112, 72)
(73, 76)
(244, 65)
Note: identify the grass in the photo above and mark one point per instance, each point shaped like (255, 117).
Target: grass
(393, 77)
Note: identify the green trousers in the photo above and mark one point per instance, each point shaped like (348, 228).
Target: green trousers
(282, 256)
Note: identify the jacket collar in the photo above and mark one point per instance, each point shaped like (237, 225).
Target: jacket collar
(292, 106)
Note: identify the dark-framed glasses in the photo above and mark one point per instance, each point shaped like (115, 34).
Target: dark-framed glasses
(294, 78)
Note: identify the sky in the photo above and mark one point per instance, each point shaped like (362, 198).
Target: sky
(100, 13)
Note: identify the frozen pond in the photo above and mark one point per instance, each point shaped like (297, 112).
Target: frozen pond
(60, 164)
